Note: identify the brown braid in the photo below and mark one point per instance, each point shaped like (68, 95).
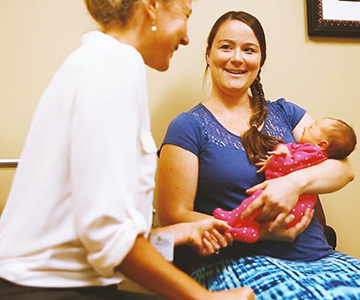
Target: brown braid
(257, 144)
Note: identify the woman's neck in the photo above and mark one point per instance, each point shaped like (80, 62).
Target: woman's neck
(227, 102)
(136, 34)
(131, 33)
(124, 35)
(233, 113)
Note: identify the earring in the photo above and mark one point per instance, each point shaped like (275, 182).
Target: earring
(153, 27)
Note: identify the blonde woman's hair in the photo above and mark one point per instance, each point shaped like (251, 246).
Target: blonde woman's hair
(105, 12)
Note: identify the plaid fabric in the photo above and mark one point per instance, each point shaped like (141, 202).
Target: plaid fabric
(337, 276)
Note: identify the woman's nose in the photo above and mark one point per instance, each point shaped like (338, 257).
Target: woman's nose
(237, 56)
(185, 41)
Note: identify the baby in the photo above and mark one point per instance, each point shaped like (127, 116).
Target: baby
(325, 138)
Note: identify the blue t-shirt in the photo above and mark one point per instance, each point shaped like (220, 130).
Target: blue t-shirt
(225, 173)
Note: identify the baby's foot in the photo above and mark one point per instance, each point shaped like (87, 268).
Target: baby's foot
(222, 214)
(245, 234)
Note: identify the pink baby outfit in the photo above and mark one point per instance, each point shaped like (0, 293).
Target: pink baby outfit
(301, 156)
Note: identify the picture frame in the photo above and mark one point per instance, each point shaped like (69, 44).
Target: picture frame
(333, 18)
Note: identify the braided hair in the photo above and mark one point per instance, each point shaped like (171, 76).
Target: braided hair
(256, 144)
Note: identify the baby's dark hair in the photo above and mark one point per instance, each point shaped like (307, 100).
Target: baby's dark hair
(341, 139)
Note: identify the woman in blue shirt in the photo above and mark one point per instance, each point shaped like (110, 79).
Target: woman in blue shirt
(207, 161)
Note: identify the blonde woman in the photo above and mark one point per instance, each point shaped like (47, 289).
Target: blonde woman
(79, 211)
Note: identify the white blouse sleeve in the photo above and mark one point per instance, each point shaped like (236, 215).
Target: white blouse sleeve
(105, 162)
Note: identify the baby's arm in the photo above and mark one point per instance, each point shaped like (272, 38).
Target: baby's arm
(279, 149)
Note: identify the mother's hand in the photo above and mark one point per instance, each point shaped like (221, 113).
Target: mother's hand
(286, 234)
(277, 199)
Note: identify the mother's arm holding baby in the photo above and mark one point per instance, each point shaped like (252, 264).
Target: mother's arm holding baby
(281, 194)
(178, 181)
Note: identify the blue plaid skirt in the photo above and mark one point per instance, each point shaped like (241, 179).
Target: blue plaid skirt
(337, 276)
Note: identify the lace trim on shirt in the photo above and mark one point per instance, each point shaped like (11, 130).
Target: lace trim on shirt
(220, 136)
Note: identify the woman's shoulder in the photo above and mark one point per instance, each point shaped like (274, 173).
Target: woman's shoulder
(185, 130)
(190, 117)
(282, 104)
(288, 110)
(101, 55)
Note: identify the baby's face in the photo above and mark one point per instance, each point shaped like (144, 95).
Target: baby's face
(317, 131)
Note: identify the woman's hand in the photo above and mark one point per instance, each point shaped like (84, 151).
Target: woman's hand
(283, 234)
(278, 197)
(244, 293)
(208, 236)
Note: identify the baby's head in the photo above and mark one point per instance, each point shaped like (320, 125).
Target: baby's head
(334, 137)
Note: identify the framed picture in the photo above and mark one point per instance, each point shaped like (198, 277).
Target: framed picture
(339, 18)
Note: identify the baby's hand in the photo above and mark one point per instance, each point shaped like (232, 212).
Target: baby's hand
(280, 150)
(263, 163)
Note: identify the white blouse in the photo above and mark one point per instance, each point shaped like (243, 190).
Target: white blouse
(83, 190)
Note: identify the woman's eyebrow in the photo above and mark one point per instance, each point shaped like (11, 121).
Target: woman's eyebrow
(233, 41)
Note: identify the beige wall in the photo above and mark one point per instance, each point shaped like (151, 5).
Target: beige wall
(320, 74)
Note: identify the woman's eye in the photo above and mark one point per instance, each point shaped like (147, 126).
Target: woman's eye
(252, 50)
(225, 47)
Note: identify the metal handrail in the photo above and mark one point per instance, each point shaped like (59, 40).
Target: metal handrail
(9, 163)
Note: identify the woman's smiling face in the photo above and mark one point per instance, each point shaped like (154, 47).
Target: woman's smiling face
(234, 58)
(170, 34)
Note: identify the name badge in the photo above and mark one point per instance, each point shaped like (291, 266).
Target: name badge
(164, 244)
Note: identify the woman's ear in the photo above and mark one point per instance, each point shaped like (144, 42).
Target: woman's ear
(323, 145)
(207, 58)
(151, 7)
